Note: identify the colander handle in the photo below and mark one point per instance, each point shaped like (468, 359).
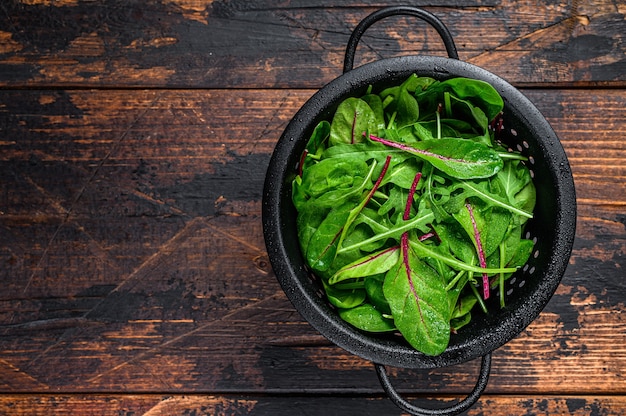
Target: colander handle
(463, 405)
(428, 17)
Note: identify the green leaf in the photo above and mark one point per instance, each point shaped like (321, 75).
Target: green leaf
(367, 318)
(492, 225)
(316, 143)
(424, 250)
(480, 93)
(375, 294)
(352, 118)
(376, 104)
(482, 190)
(400, 100)
(459, 158)
(323, 244)
(344, 299)
(402, 174)
(328, 175)
(307, 223)
(418, 221)
(370, 264)
(419, 303)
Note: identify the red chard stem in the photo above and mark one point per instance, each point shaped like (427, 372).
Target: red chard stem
(409, 200)
(479, 249)
(352, 139)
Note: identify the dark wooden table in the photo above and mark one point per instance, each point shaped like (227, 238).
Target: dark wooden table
(134, 139)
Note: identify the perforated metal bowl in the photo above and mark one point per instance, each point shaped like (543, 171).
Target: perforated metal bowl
(552, 228)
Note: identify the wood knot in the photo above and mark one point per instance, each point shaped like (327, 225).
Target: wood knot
(262, 264)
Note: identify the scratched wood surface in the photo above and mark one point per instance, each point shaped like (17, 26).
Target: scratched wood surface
(134, 138)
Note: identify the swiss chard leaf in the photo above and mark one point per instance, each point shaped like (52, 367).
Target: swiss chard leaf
(352, 118)
(459, 158)
(491, 223)
(419, 303)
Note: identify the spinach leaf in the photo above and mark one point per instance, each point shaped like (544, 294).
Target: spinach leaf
(324, 242)
(367, 318)
(478, 92)
(401, 103)
(344, 298)
(376, 294)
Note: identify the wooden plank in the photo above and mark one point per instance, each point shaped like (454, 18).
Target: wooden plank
(217, 405)
(297, 44)
(133, 257)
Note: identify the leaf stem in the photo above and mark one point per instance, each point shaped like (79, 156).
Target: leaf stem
(512, 156)
(406, 226)
(409, 200)
(455, 263)
(501, 281)
(357, 210)
(454, 281)
(479, 249)
(480, 300)
(494, 201)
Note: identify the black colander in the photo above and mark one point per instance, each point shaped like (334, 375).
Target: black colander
(528, 291)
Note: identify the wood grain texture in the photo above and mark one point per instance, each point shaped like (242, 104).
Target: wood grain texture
(133, 255)
(134, 139)
(296, 44)
(230, 405)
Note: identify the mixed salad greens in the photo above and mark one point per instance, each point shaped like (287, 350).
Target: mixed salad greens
(410, 211)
